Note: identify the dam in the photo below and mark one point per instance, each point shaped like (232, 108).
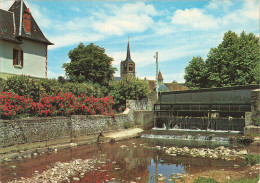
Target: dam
(217, 109)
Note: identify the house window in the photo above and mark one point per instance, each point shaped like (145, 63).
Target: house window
(17, 57)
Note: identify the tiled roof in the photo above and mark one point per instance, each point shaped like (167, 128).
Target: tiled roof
(160, 76)
(175, 87)
(35, 33)
(7, 28)
(170, 86)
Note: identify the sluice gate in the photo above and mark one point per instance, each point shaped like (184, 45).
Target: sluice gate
(224, 109)
(205, 117)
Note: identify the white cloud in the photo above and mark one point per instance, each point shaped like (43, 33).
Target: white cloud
(73, 38)
(131, 17)
(244, 17)
(195, 19)
(40, 15)
(147, 77)
(217, 4)
(51, 74)
(5, 5)
(179, 77)
(75, 8)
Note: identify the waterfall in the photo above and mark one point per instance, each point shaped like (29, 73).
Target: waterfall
(187, 137)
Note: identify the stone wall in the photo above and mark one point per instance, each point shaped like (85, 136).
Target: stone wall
(30, 130)
(137, 105)
(140, 112)
(255, 106)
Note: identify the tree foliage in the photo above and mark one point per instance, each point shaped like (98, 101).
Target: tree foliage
(128, 88)
(90, 64)
(234, 62)
(195, 73)
(35, 89)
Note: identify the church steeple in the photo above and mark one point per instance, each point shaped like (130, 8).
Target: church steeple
(128, 54)
(128, 66)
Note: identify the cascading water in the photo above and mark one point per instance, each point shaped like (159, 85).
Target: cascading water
(187, 137)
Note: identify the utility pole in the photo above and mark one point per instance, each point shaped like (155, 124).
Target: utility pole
(157, 83)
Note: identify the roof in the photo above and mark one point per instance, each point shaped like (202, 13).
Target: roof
(128, 55)
(116, 78)
(18, 32)
(163, 87)
(160, 76)
(170, 86)
(175, 87)
(7, 28)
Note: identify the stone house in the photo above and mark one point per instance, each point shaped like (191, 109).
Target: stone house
(23, 46)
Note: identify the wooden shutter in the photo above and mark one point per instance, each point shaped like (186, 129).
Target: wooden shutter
(14, 56)
(22, 58)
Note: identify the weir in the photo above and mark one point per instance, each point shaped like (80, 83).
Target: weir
(215, 109)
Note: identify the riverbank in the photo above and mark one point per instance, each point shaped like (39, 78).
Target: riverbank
(29, 150)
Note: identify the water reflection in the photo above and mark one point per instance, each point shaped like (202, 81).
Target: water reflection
(124, 161)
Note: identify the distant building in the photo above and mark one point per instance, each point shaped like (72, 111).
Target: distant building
(23, 46)
(165, 86)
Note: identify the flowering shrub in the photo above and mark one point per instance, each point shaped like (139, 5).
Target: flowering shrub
(63, 104)
(12, 105)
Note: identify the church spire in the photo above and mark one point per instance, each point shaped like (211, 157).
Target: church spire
(128, 55)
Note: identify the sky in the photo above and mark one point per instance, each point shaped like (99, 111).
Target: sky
(177, 30)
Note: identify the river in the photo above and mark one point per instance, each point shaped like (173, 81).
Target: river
(134, 160)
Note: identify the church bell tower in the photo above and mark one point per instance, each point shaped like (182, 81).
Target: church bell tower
(127, 67)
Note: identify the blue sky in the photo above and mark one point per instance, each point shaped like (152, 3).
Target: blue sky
(177, 29)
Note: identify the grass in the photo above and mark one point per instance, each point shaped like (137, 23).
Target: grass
(210, 180)
(251, 159)
(245, 181)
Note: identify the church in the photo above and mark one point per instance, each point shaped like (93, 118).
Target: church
(127, 69)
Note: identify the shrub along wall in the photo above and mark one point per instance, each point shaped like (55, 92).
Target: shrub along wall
(30, 130)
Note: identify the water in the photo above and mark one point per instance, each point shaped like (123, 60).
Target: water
(187, 137)
(131, 160)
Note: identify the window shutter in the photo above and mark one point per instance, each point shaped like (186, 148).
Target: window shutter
(22, 58)
(14, 57)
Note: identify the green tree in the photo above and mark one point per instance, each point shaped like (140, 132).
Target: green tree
(195, 73)
(234, 62)
(90, 64)
(128, 88)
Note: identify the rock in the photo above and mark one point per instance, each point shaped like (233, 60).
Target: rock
(35, 154)
(76, 178)
(214, 156)
(236, 166)
(73, 145)
(158, 147)
(173, 154)
(243, 152)
(6, 159)
(202, 153)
